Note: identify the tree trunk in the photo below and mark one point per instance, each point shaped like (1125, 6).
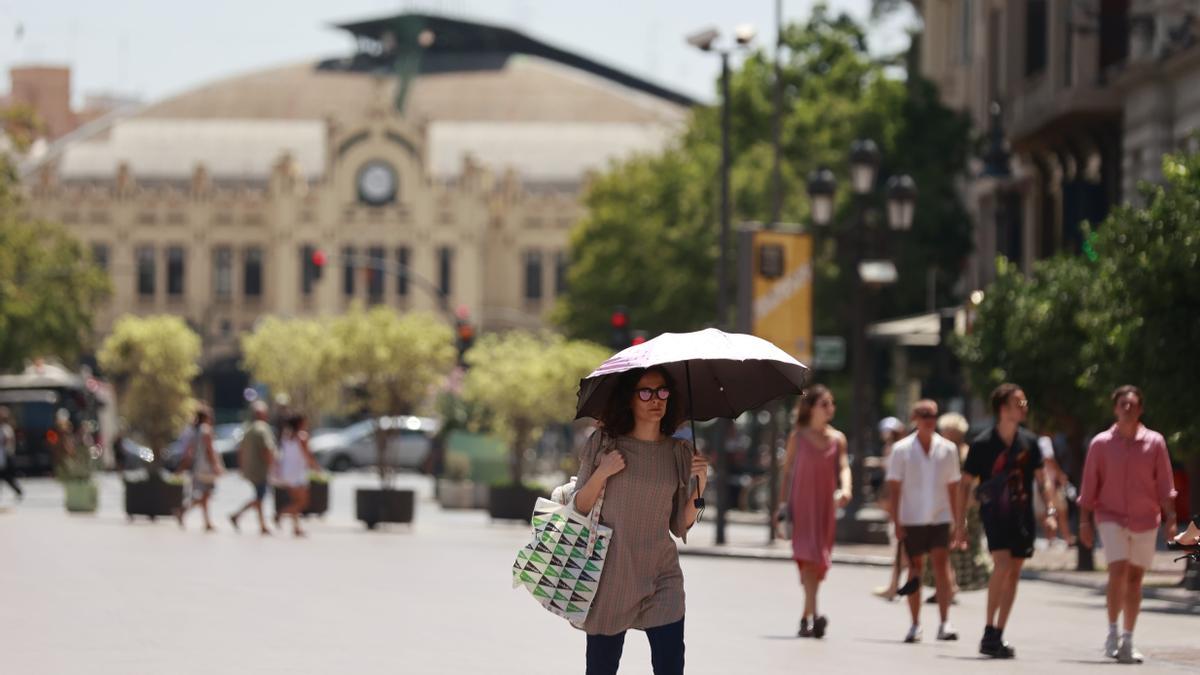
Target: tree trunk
(381, 454)
(521, 437)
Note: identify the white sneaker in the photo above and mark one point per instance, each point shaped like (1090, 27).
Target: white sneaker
(946, 632)
(1111, 644)
(1127, 654)
(914, 635)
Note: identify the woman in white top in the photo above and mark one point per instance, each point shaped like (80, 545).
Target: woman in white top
(205, 465)
(295, 461)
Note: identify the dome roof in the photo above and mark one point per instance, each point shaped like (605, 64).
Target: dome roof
(508, 100)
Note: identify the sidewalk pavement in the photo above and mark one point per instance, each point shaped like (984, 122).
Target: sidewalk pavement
(746, 538)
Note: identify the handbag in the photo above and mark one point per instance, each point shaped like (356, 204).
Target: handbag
(562, 563)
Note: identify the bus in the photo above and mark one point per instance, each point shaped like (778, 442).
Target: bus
(34, 398)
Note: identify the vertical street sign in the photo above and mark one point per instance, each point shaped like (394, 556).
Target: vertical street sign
(775, 289)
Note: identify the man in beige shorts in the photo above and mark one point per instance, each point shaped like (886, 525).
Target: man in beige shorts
(1127, 483)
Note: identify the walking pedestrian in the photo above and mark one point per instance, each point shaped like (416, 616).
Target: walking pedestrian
(1127, 484)
(1058, 490)
(256, 457)
(819, 485)
(1006, 462)
(891, 429)
(8, 452)
(644, 475)
(970, 564)
(201, 459)
(923, 478)
(295, 461)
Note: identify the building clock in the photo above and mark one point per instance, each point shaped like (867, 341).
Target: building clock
(377, 183)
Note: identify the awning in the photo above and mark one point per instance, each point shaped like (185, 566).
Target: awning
(923, 330)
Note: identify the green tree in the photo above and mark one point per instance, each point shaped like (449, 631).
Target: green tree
(526, 381)
(649, 240)
(1027, 330)
(153, 361)
(1143, 311)
(394, 361)
(297, 357)
(49, 287)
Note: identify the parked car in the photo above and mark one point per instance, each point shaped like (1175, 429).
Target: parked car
(410, 439)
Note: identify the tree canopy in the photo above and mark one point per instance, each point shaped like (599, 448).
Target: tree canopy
(649, 239)
(49, 287)
(297, 357)
(525, 381)
(1128, 312)
(394, 359)
(152, 361)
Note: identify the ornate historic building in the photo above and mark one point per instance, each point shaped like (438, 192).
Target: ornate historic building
(441, 166)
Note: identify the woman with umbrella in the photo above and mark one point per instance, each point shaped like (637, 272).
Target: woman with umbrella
(819, 485)
(643, 474)
(651, 483)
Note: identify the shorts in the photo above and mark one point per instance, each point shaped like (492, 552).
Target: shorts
(260, 490)
(919, 540)
(1014, 535)
(202, 488)
(1122, 544)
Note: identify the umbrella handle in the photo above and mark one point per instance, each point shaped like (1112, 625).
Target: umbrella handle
(694, 484)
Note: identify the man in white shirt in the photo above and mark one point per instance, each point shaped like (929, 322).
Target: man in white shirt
(923, 477)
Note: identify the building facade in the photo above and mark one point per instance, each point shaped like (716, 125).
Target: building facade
(1080, 100)
(452, 188)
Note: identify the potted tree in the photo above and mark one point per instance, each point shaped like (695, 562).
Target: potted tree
(297, 357)
(153, 361)
(73, 467)
(525, 381)
(394, 361)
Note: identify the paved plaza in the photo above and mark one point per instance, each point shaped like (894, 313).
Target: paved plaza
(103, 596)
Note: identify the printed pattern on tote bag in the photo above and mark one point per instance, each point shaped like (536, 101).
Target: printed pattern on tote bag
(561, 566)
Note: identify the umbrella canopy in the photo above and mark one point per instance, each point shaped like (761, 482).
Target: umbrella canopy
(716, 374)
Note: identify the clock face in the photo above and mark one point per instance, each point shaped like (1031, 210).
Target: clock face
(377, 183)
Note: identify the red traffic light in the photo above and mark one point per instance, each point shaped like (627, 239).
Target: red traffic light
(637, 340)
(318, 258)
(619, 319)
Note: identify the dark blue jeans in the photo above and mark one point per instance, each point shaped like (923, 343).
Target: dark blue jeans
(666, 650)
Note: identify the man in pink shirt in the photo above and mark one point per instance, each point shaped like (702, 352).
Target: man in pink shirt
(1127, 483)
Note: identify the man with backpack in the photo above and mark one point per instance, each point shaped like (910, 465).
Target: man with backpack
(1006, 463)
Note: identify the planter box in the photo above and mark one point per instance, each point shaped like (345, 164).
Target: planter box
(152, 498)
(318, 499)
(80, 495)
(461, 494)
(512, 502)
(383, 506)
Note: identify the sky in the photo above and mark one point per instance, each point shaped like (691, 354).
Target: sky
(150, 49)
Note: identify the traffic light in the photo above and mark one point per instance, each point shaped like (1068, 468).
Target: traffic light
(619, 321)
(464, 337)
(318, 263)
(639, 336)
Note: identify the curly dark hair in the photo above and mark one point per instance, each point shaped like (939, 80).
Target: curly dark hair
(617, 419)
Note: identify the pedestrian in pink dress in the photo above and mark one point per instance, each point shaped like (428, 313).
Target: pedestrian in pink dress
(819, 483)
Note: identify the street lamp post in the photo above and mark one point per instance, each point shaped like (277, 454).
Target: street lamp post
(901, 197)
(706, 41)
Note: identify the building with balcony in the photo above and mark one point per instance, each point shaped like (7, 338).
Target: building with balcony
(1088, 96)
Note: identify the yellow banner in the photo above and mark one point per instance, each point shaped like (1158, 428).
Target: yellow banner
(782, 309)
